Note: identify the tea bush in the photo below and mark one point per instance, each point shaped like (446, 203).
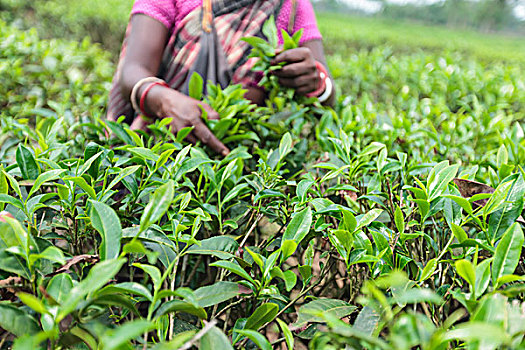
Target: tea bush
(342, 31)
(51, 74)
(103, 21)
(391, 222)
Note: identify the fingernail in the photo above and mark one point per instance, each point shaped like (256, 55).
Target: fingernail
(225, 152)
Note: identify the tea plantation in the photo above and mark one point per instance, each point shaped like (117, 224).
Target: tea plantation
(392, 221)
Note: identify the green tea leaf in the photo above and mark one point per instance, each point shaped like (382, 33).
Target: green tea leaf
(288, 336)
(126, 288)
(466, 270)
(508, 252)
(285, 147)
(501, 220)
(217, 293)
(27, 163)
(235, 268)
(60, 286)
(43, 178)
(339, 308)
(33, 302)
(92, 155)
(16, 321)
(498, 198)
(441, 181)
(482, 277)
(270, 31)
(81, 182)
(106, 222)
(256, 337)
(368, 218)
(399, 220)
(158, 205)
(263, 314)
(429, 270)
(180, 306)
(215, 339)
(299, 226)
(153, 272)
(196, 86)
(99, 275)
(116, 338)
(458, 232)
(222, 247)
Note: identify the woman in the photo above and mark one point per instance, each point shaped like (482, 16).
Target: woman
(167, 40)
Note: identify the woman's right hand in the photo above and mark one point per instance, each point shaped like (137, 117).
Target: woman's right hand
(186, 112)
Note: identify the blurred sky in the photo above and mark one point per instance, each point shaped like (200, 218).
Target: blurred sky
(371, 6)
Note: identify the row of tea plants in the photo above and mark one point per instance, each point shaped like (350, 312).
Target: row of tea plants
(320, 229)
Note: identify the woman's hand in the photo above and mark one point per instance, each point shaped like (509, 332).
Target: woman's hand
(299, 72)
(186, 112)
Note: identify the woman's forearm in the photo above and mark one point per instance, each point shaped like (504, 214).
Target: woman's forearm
(145, 45)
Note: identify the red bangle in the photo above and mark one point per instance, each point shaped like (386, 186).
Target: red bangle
(145, 93)
(323, 75)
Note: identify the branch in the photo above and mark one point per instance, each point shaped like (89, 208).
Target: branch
(199, 335)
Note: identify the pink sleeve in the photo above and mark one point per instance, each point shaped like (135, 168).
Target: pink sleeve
(305, 18)
(161, 10)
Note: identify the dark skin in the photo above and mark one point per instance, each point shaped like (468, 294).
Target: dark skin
(145, 47)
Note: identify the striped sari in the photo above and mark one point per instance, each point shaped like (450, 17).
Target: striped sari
(232, 20)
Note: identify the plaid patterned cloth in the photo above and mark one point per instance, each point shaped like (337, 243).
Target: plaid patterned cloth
(233, 19)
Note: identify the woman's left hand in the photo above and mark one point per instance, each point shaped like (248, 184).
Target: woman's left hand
(299, 71)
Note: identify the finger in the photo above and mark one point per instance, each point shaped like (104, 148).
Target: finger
(176, 125)
(298, 82)
(292, 55)
(295, 70)
(212, 114)
(139, 123)
(191, 139)
(206, 136)
(304, 90)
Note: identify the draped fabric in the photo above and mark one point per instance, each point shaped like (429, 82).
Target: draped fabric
(232, 20)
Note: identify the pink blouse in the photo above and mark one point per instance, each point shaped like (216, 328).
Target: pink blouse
(171, 12)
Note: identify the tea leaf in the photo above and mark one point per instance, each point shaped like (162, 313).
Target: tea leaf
(27, 164)
(257, 338)
(217, 293)
(180, 306)
(299, 226)
(235, 268)
(158, 205)
(43, 178)
(508, 252)
(106, 222)
(288, 336)
(466, 270)
(215, 339)
(16, 321)
(99, 275)
(196, 86)
(115, 339)
(263, 314)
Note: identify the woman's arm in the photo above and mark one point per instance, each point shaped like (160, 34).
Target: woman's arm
(145, 46)
(144, 49)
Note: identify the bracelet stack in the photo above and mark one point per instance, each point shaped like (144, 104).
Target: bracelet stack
(325, 87)
(140, 108)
